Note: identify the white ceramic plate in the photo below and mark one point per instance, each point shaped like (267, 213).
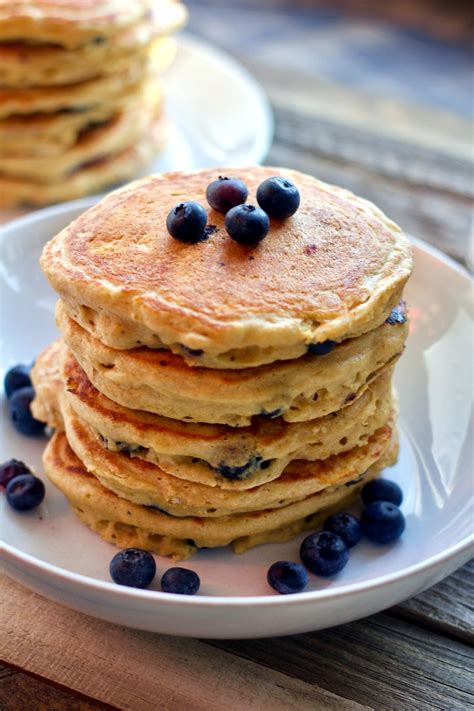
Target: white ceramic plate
(50, 551)
(218, 112)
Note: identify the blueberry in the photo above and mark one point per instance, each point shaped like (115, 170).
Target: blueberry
(224, 193)
(133, 567)
(25, 492)
(186, 222)
(11, 469)
(397, 315)
(194, 352)
(20, 413)
(181, 581)
(271, 414)
(321, 348)
(382, 522)
(247, 224)
(241, 472)
(16, 378)
(278, 197)
(346, 526)
(287, 577)
(324, 553)
(381, 490)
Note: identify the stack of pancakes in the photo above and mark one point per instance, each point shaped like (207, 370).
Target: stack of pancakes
(80, 98)
(209, 394)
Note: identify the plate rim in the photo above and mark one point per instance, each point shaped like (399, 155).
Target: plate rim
(201, 46)
(56, 575)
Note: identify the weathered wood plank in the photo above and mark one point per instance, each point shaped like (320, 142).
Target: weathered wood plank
(447, 608)
(21, 692)
(409, 158)
(381, 661)
(141, 671)
(442, 220)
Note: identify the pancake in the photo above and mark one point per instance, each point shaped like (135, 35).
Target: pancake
(333, 270)
(68, 23)
(216, 455)
(145, 483)
(126, 524)
(72, 97)
(298, 390)
(48, 384)
(207, 454)
(96, 140)
(54, 134)
(26, 65)
(88, 178)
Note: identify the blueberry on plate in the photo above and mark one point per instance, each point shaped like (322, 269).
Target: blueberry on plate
(279, 197)
(321, 348)
(382, 522)
(381, 490)
(224, 193)
(181, 581)
(16, 378)
(186, 222)
(345, 525)
(25, 492)
(247, 224)
(287, 577)
(20, 412)
(133, 567)
(9, 470)
(324, 553)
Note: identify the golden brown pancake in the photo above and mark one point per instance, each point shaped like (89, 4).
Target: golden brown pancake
(333, 270)
(127, 524)
(24, 65)
(68, 23)
(213, 455)
(72, 97)
(51, 135)
(145, 483)
(298, 390)
(88, 178)
(97, 140)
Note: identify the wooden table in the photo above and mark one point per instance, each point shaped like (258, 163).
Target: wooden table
(410, 155)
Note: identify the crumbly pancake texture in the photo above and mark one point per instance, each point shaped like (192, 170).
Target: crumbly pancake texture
(68, 23)
(88, 178)
(333, 270)
(298, 390)
(127, 524)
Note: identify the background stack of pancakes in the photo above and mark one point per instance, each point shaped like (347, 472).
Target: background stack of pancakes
(80, 102)
(210, 393)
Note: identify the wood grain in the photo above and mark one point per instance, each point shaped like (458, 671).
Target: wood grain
(448, 608)
(140, 671)
(382, 661)
(20, 692)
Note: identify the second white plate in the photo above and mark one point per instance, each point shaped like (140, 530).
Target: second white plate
(219, 115)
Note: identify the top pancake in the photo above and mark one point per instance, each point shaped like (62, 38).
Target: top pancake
(69, 23)
(333, 270)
